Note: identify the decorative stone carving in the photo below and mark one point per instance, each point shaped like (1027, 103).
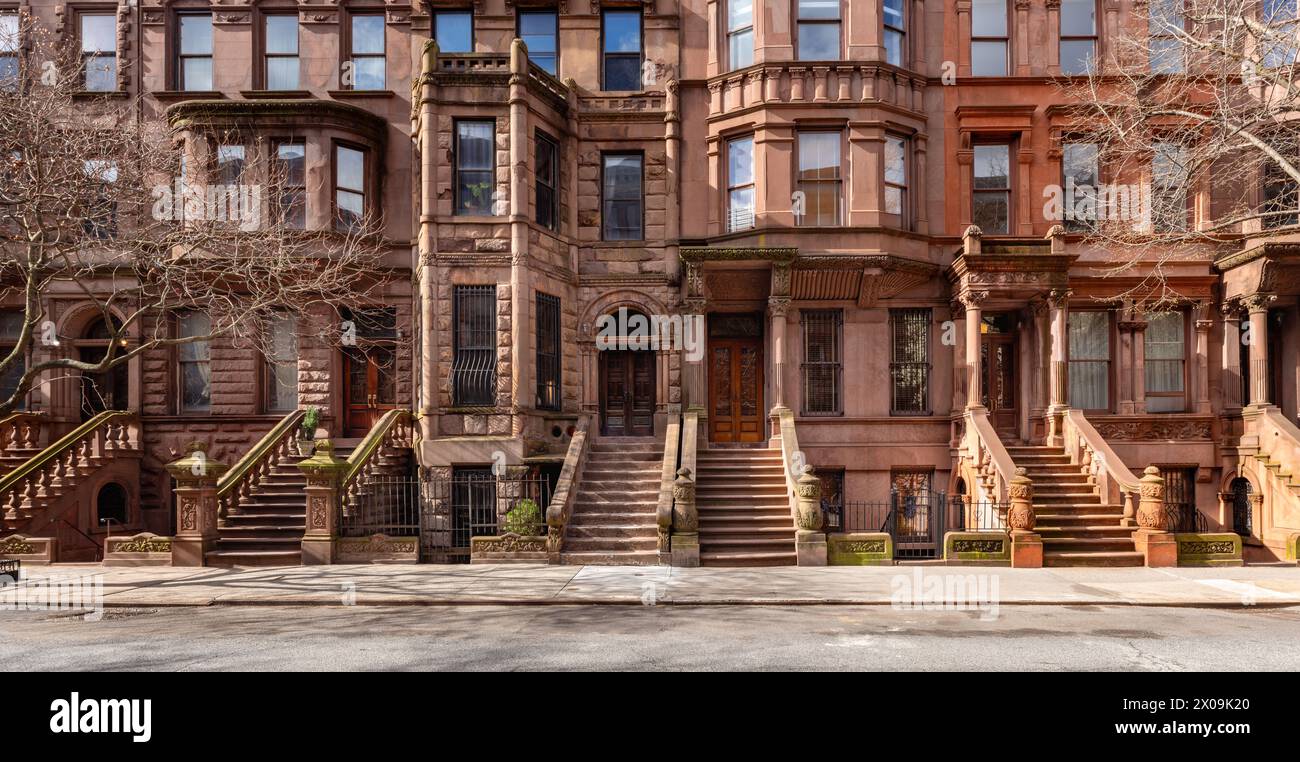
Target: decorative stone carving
(1154, 430)
(972, 299)
(1151, 503)
(1021, 493)
(809, 492)
(685, 517)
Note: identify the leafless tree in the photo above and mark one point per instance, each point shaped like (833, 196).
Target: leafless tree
(1194, 107)
(146, 220)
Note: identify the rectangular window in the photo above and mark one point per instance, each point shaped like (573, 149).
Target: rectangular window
(11, 327)
(10, 47)
(621, 47)
(1165, 359)
(740, 33)
(229, 165)
(1169, 177)
(740, 183)
(101, 216)
(474, 364)
(1280, 48)
(895, 32)
(291, 184)
(538, 30)
(1089, 369)
(548, 352)
(547, 176)
(194, 360)
(194, 51)
(1280, 201)
(988, 38)
(475, 167)
(896, 177)
(909, 364)
(281, 382)
(1079, 183)
(622, 198)
(99, 52)
(367, 55)
(349, 187)
(819, 30)
(454, 31)
(991, 197)
(819, 178)
(1164, 25)
(281, 70)
(822, 368)
(1078, 36)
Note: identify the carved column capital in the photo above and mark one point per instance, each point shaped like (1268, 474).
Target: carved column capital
(778, 306)
(972, 299)
(1258, 302)
(1059, 297)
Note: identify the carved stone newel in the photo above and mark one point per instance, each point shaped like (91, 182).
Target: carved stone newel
(324, 473)
(196, 478)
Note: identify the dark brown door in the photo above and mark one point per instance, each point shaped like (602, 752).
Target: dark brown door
(102, 391)
(998, 361)
(627, 393)
(371, 386)
(736, 390)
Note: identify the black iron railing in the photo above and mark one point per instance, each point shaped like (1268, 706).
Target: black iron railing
(916, 520)
(1183, 517)
(11, 570)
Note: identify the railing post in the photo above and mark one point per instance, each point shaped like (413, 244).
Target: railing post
(810, 541)
(1153, 538)
(196, 478)
(323, 472)
(686, 521)
(1026, 544)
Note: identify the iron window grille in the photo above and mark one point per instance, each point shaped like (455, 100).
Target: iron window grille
(548, 352)
(909, 366)
(822, 367)
(474, 365)
(1180, 499)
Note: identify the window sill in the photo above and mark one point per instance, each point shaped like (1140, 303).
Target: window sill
(88, 95)
(343, 94)
(188, 95)
(276, 94)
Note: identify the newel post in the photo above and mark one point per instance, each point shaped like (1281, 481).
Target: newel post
(1026, 544)
(196, 478)
(1153, 538)
(810, 540)
(686, 521)
(323, 472)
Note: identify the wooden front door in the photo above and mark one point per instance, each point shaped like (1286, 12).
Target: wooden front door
(998, 375)
(370, 375)
(736, 390)
(102, 391)
(627, 393)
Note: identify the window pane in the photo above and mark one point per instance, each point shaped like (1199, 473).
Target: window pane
(1164, 336)
(740, 155)
(1077, 56)
(991, 211)
(740, 15)
(368, 73)
(742, 49)
(196, 35)
(537, 29)
(1166, 55)
(101, 73)
(351, 208)
(894, 13)
(988, 59)
(741, 209)
(992, 166)
(1089, 373)
(9, 39)
(819, 42)
(988, 18)
(622, 73)
(230, 164)
(622, 198)
(895, 161)
(351, 168)
(622, 31)
(282, 73)
(197, 74)
(474, 145)
(819, 9)
(282, 35)
(1080, 163)
(194, 324)
(819, 155)
(293, 159)
(368, 35)
(1078, 18)
(893, 47)
(98, 33)
(455, 31)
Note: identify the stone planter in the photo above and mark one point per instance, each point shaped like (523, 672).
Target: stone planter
(304, 447)
(508, 548)
(143, 549)
(1209, 549)
(977, 548)
(377, 549)
(860, 549)
(32, 551)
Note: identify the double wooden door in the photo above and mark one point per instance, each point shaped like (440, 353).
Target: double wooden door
(627, 393)
(371, 376)
(736, 390)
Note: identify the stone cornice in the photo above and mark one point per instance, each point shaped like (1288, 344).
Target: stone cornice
(302, 112)
(696, 254)
(1238, 258)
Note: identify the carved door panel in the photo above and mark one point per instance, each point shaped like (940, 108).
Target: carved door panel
(998, 370)
(627, 398)
(736, 390)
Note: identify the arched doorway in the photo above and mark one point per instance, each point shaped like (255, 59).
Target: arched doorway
(111, 506)
(1240, 490)
(101, 391)
(627, 375)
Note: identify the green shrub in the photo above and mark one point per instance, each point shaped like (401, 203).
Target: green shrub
(310, 419)
(524, 519)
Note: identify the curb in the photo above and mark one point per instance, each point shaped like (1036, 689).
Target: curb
(636, 602)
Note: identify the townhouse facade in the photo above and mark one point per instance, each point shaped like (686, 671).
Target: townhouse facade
(829, 214)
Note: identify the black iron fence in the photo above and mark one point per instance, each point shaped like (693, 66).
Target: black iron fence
(916, 520)
(11, 570)
(1185, 518)
(385, 505)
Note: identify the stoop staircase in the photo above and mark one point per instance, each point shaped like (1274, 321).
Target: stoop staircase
(1077, 527)
(613, 519)
(744, 508)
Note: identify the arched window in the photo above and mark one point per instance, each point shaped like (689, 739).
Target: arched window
(1240, 490)
(110, 506)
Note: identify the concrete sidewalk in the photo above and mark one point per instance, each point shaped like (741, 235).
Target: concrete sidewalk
(436, 585)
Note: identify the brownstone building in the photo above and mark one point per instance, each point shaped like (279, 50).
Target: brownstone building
(840, 205)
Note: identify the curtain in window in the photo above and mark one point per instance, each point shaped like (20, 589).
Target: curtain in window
(1165, 348)
(1089, 360)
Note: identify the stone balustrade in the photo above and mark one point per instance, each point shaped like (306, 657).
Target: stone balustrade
(256, 464)
(801, 82)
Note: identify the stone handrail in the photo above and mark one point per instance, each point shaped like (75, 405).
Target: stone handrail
(21, 431)
(1087, 448)
(566, 487)
(392, 430)
(667, 477)
(78, 450)
(473, 62)
(993, 464)
(256, 464)
(792, 460)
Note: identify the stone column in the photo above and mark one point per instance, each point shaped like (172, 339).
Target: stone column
(196, 478)
(1026, 544)
(1139, 366)
(810, 540)
(1058, 303)
(1231, 357)
(974, 317)
(1124, 371)
(521, 397)
(693, 377)
(1203, 361)
(428, 242)
(686, 521)
(1257, 307)
(777, 308)
(1152, 538)
(323, 472)
(959, 370)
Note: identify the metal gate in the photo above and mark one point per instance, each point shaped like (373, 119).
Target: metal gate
(916, 520)
(1241, 513)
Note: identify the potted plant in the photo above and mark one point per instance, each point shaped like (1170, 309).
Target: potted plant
(306, 441)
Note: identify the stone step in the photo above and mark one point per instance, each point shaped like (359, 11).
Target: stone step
(603, 545)
(599, 518)
(611, 558)
(1084, 543)
(613, 532)
(1090, 558)
(254, 558)
(1085, 514)
(623, 497)
(713, 522)
(769, 558)
(1083, 529)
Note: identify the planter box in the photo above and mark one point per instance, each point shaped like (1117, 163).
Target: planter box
(33, 551)
(860, 549)
(977, 548)
(377, 549)
(143, 549)
(508, 548)
(1209, 549)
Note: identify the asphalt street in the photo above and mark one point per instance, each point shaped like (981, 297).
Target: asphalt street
(268, 638)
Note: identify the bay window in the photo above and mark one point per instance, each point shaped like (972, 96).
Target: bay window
(818, 30)
(740, 183)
